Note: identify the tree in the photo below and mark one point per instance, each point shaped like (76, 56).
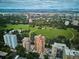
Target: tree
(61, 39)
(1, 35)
(32, 37)
(32, 55)
(75, 42)
(46, 57)
(20, 51)
(3, 23)
(10, 55)
(5, 48)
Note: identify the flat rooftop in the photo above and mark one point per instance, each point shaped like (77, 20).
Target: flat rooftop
(71, 52)
(3, 53)
(60, 45)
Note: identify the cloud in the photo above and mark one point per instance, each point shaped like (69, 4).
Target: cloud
(39, 4)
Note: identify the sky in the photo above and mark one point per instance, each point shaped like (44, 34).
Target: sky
(39, 4)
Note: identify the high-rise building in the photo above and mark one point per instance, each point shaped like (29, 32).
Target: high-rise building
(40, 44)
(30, 19)
(26, 43)
(70, 54)
(10, 40)
(57, 50)
(61, 51)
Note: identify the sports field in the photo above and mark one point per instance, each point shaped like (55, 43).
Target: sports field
(49, 32)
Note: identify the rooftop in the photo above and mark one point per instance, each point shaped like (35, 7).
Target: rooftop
(3, 53)
(71, 52)
(60, 45)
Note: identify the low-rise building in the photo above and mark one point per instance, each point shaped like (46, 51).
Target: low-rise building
(3, 55)
(66, 23)
(75, 22)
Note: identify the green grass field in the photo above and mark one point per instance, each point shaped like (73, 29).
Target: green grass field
(49, 33)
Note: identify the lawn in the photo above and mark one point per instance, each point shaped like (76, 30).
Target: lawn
(49, 33)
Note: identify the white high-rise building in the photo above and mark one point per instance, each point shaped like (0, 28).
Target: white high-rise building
(70, 54)
(61, 51)
(10, 40)
(57, 50)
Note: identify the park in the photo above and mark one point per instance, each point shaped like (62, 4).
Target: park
(48, 32)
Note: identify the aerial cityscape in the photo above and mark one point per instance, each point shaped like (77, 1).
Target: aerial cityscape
(39, 29)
